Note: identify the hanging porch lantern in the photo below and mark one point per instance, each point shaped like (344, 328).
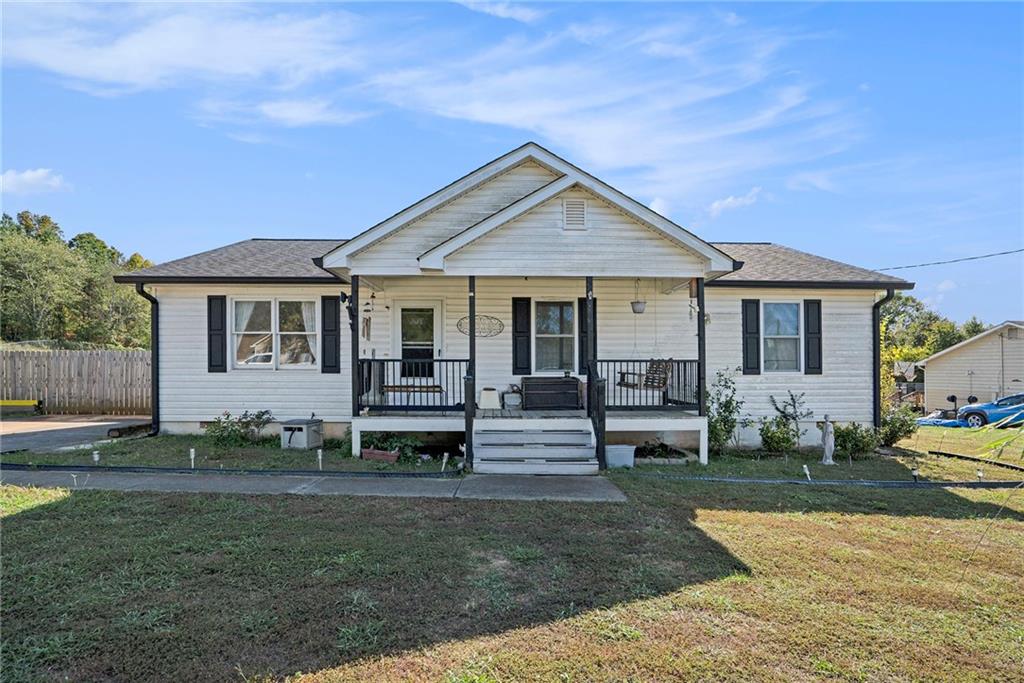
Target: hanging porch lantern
(637, 304)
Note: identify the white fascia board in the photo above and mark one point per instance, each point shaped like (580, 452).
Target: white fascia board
(339, 257)
(434, 258)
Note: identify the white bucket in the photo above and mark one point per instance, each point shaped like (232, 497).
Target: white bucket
(619, 456)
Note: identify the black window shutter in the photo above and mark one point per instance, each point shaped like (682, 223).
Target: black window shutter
(751, 337)
(812, 337)
(216, 334)
(330, 321)
(584, 327)
(521, 364)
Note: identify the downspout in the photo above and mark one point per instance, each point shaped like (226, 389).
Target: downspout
(876, 364)
(154, 368)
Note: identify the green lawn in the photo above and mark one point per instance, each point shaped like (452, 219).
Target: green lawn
(874, 467)
(967, 442)
(173, 451)
(687, 580)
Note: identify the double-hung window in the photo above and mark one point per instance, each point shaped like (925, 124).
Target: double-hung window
(781, 337)
(554, 338)
(274, 333)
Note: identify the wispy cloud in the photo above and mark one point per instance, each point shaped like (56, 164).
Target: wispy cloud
(506, 10)
(153, 46)
(732, 202)
(33, 181)
(678, 107)
(660, 205)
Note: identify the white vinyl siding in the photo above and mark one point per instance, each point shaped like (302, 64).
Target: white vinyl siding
(612, 245)
(189, 394)
(844, 389)
(976, 369)
(397, 253)
(667, 329)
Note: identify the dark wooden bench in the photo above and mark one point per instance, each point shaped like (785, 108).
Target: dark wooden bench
(552, 393)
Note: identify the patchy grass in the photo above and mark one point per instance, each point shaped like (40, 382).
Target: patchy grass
(746, 464)
(173, 451)
(966, 442)
(685, 581)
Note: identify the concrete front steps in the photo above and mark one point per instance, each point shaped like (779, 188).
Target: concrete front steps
(534, 446)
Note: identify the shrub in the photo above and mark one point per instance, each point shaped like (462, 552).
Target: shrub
(791, 411)
(723, 411)
(407, 445)
(776, 434)
(897, 423)
(854, 439)
(248, 427)
(658, 449)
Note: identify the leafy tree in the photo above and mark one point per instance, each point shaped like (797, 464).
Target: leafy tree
(50, 289)
(943, 334)
(136, 262)
(39, 287)
(973, 327)
(94, 249)
(36, 226)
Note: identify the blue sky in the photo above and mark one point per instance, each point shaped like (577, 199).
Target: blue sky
(875, 134)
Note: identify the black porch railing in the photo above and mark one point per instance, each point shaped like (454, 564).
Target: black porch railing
(395, 385)
(655, 384)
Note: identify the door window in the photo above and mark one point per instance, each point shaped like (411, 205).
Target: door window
(417, 342)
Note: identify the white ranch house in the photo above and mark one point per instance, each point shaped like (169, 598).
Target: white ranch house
(529, 307)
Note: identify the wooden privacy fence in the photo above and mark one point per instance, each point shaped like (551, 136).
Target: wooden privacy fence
(110, 382)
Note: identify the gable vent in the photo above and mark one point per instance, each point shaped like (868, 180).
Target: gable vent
(574, 214)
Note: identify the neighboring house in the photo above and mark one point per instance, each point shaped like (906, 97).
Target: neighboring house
(531, 244)
(988, 365)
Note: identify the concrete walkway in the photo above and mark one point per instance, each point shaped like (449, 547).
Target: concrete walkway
(474, 486)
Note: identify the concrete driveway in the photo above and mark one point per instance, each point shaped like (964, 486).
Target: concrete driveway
(48, 432)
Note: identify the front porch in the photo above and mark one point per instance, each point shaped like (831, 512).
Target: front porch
(512, 364)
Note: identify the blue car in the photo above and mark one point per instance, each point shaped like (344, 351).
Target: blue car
(981, 414)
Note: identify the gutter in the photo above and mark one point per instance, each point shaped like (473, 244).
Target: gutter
(154, 368)
(876, 358)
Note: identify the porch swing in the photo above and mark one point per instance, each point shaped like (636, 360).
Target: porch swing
(656, 375)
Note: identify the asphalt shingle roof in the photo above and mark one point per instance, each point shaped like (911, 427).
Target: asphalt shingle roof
(297, 259)
(253, 259)
(768, 262)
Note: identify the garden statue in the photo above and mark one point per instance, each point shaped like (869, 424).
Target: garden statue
(828, 442)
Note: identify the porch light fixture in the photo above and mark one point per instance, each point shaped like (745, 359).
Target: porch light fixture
(637, 304)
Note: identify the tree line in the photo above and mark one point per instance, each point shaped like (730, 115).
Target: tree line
(64, 290)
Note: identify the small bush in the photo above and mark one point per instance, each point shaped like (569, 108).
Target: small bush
(407, 445)
(776, 434)
(897, 423)
(657, 449)
(723, 411)
(243, 430)
(855, 439)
